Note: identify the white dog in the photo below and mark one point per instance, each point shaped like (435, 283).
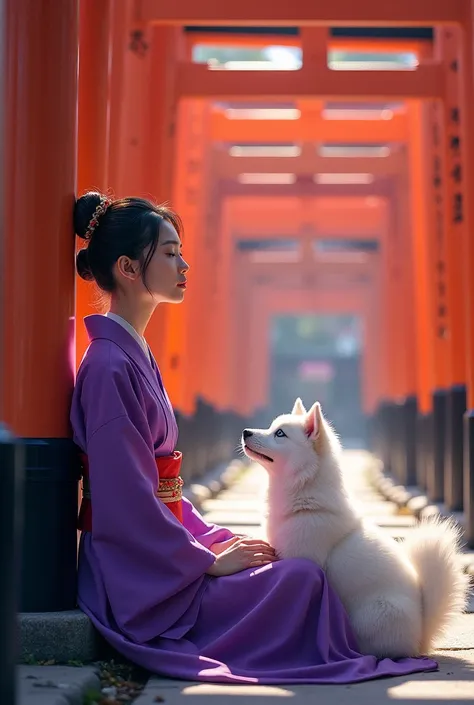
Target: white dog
(399, 596)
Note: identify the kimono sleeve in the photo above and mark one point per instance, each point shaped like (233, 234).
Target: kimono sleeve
(206, 534)
(148, 560)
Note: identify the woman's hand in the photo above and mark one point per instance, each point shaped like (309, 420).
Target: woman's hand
(240, 555)
(218, 548)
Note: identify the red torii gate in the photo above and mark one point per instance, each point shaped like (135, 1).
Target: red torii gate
(311, 126)
(225, 167)
(288, 302)
(262, 290)
(301, 13)
(45, 98)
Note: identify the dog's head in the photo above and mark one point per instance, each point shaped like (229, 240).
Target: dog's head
(295, 444)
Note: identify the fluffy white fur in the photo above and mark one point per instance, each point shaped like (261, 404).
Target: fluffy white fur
(399, 596)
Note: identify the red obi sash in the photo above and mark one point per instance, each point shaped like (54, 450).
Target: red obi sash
(169, 490)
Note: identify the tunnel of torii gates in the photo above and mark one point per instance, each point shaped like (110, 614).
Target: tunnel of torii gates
(140, 118)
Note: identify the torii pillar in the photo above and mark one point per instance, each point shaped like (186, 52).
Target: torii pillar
(449, 41)
(93, 131)
(38, 327)
(465, 209)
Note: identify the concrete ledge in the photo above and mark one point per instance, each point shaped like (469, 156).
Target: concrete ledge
(413, 501)
(410, 498)
(61, 636)
(56, 685)
(417, 504)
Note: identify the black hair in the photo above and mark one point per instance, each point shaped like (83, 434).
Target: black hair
(128, 227)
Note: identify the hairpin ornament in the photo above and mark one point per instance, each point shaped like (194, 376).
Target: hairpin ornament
(99, 211)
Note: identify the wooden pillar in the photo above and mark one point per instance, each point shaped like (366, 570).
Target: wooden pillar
(408, 287)
(374, 359)
(94, 59)
(395, 295)
(38, 322)
(165, 331)
(200, 257)
(429, 204)
(419, 156)
(93, 131)
(407, 403)
(261, 319)
(220, 350)
(173, 354)
(11, 448)
(373, 338)
(371, 354)
(208, 274)
(438, 294)
(449, 43)
(242, 347)
(465, 208)
(133, 147)
(465, 205)
(120, 42)
(238, 342)
(391, 367)
(166, 48)
(183, 332)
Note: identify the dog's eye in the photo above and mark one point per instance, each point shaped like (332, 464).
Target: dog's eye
(280, 433)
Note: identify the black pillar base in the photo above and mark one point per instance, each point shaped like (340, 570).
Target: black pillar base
(388, 423)
(435, 468)
(396, 433)
(372, 432)
(469, 478)
(408, 414)
(454, 448)
(375, 433)
(195, 441)
(378, 433)
(11, 519)
(393, 438)
(207, 438)
(49, 552)
(424, 445)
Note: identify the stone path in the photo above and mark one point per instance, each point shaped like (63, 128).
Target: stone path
(239, 508)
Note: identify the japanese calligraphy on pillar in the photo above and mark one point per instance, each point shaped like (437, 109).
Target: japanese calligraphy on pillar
(453, 117)
(438, 186)
(450, 41)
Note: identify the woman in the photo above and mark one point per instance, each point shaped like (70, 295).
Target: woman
(176, 595)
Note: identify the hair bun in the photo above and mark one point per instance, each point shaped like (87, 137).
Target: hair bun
(84, 210)
(83, 266)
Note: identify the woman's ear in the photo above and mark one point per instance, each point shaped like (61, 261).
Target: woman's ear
(127, 267)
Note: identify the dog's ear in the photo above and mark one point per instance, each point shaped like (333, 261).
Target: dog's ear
(298, 409)
(313, 421)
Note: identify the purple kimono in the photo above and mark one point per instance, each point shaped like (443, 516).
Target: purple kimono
(142, 574)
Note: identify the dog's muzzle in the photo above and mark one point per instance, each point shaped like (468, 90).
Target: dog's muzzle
(252, 452)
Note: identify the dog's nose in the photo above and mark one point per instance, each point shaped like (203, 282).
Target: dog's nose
(247, 433)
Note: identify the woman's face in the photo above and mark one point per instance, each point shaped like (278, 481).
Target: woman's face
(165, 275)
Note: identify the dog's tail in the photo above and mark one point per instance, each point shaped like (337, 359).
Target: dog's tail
(434, 550)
